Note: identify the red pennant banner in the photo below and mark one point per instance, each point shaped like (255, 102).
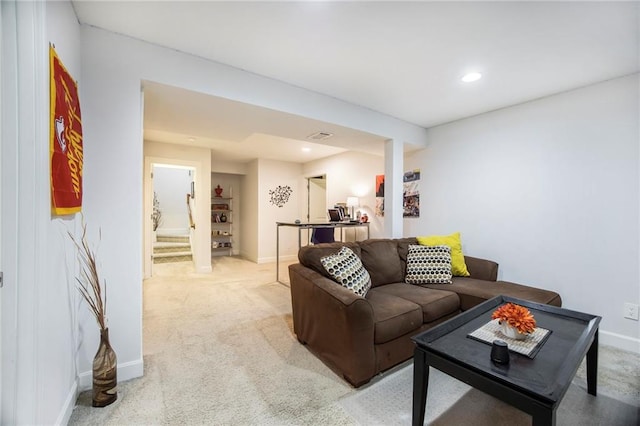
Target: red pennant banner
(66, 140)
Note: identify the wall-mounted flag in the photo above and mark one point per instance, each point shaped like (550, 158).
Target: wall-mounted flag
(65, 145)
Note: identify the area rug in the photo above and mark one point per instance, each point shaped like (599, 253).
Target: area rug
(450, 402)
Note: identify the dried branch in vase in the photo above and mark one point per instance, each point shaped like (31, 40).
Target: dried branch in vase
(88, 283)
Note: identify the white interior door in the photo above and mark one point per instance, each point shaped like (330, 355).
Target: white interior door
(317, 203)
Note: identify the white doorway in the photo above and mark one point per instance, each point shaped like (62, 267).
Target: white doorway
(174, 197)
(317, 198)
(171, 186)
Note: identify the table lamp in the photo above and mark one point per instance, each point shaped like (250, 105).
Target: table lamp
(353, 202)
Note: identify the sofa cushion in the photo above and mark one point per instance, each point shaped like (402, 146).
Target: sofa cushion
(428, 265)
(403, 250)
(435, 304)
(346, 269)
(380, 258)
(472, 292)
(310, 255)
(481, 269)
(392, 316)
(458, 267)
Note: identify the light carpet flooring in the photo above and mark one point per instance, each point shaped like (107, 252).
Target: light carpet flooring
(219, 350)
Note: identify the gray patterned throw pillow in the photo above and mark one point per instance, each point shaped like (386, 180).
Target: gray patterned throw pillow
(428, 265)
(346, 269)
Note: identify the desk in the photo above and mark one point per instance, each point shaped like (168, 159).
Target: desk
(312, 225)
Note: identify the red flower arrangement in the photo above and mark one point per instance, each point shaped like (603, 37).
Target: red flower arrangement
(516, 316)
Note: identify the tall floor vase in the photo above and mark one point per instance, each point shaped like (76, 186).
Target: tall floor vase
(105, 373)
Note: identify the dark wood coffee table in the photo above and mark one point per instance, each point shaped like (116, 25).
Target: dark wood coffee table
(535, 386)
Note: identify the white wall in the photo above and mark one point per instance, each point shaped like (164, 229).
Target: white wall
(60, 307)
(550, 190)
(40, 304)
(259, 216)
(272, 174)
(351, 174)
(224, 166)
(249, 199)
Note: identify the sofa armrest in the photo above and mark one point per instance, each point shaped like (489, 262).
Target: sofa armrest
(481, 269)
(335, 323)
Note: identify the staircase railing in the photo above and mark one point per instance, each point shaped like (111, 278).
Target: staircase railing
(191, 222)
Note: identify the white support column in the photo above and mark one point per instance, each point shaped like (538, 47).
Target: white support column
(393, 163)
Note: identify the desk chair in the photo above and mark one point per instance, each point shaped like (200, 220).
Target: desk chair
(322, 235)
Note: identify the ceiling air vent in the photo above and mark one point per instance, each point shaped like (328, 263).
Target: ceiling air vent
(320, 136)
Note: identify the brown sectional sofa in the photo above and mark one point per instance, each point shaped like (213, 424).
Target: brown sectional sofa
(360, 337)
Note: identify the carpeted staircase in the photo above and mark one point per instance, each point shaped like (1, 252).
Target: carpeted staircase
(172, 248)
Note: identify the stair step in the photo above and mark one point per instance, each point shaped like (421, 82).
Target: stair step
(174, 258)
(170, 247)
(172, 238)
(172, 254)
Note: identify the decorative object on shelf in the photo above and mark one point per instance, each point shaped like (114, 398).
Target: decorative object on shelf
(223, 217)
(364, 218)
(219, 206)
(218, 190)
(516, 321)
(280, 195)
(105, 364)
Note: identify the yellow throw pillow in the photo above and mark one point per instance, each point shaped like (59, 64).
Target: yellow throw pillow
(458, 267)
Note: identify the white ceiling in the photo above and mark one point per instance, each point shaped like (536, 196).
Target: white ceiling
(403, 59)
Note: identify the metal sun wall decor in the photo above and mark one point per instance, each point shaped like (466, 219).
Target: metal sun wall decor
(280, 195)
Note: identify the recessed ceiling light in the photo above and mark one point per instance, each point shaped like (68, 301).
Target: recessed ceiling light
(472, 76)
(306, 149)
(191, 139)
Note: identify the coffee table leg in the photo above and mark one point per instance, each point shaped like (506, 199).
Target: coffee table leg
(420, 383)
(592, 366)
(544, 419)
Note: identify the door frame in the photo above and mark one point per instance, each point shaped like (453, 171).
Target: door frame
(147, 210)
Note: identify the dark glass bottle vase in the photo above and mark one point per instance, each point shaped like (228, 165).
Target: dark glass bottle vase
(105, 373)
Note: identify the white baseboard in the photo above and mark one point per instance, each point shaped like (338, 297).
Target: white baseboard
(69, 405)
(126, 371)
(204, 269)
(619, 341)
